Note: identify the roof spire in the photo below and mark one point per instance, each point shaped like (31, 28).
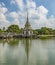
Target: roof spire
(27, 16)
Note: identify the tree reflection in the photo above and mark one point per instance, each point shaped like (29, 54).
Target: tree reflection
(13, 42)
(3, 41)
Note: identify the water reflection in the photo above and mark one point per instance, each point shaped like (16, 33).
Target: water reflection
(38, 54)
(27, 46)
(27, 52)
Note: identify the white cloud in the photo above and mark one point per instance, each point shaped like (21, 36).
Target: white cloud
(37, 15)
(39, 18)
(51, 20)
(2, 17)
(12, 2)
(15, 18)
(42, 11)
(3, 9)
(16, 22)
(14, 14)
(2, 4)
(31, 4)
(3, 21)
(19, 3)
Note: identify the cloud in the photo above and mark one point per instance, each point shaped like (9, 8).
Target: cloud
(3, 9)
(42, 11)
(13, 14)
(15, 18)
(19, 3)
(2, 4)
(3, 21)
(16, 22)
(12, 2)
(31, 4)
(37, 15)
(51, 20)
(4, 17)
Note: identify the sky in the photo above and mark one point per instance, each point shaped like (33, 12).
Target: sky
(41, 13)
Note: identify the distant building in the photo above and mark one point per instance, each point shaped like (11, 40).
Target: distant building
(27, 29)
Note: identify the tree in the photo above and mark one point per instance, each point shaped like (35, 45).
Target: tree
(13, 28)
(21, 30)
(1, 31)
(45, 30)
(54, 32)
(4, 29)
(35, 31)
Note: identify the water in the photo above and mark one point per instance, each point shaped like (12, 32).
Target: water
(27, 52)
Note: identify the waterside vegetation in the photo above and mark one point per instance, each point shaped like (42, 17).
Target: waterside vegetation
(44, 32)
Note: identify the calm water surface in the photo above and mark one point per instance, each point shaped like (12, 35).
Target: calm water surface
(27, 52)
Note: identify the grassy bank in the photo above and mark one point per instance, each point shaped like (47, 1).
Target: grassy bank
(45, 36)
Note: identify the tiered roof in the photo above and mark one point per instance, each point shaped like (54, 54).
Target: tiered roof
(27, 25)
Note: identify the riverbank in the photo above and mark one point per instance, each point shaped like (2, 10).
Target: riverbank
(22, 36)
(45, 36)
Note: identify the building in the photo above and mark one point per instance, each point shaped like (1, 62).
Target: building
(27, 29)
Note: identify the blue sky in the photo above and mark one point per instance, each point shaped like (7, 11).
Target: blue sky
(41, 13)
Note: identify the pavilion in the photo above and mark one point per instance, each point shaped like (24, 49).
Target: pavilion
(27, 29)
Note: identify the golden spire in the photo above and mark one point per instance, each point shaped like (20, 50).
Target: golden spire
(27, 22)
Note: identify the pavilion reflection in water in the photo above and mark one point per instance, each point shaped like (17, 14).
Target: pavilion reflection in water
(27, 46)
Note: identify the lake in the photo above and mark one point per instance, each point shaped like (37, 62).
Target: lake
(27, 51)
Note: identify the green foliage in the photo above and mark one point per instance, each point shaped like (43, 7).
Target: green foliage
(45, 31)
(42, 31)
(54, 32)
(13, 28)
(1, 31)
(35, 31)
(21, 30)
(45, 37)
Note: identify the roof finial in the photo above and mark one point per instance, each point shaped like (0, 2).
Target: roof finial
(27, 16)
